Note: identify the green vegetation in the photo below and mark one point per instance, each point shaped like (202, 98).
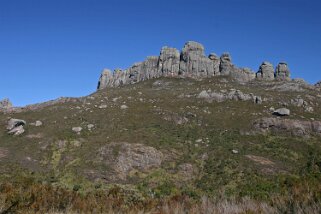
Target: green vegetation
(52, 169)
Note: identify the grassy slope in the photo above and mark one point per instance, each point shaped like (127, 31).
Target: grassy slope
(38, 153)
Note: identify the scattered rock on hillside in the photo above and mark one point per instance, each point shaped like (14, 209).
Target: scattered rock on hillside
(123, 107)
(37, 123)
(295, 127)
(299, 102)
(77, 129)
(90, 126)
(233, 94)
(13, 123)
(17, 130)
(282, 112)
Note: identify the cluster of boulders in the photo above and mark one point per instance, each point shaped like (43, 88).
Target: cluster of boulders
(232, 94)
(190, 62)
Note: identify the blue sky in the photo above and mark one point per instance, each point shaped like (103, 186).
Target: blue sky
(53, 48)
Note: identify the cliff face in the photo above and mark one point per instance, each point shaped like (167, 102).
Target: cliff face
(190, 62)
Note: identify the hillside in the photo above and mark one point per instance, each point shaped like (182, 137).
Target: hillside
(165, 143)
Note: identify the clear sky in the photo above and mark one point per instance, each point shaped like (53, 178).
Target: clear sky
(53, 48)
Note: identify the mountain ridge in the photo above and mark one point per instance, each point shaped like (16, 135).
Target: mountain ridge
(191, 62)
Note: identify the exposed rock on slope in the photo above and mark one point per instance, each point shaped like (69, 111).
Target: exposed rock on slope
(190, 62)
(295, 127)
(125, 157)
(233, 94)
(15, 126)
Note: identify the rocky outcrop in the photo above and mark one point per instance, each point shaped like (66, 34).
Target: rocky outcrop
(318, 84)
(226, 65)
(295, 127)
(266, 71)
(282, 71)
(190, 62)
(194, 62)
(15, 126)
(233, 94)
(5, 104)
(168, 63)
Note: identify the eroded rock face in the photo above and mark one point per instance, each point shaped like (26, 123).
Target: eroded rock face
(194, 62)
(169, 60)
(266, 71)
(226, 64)
(105, 79)
(282, 71)
(190, 62)
(5, 104)
(295, 127)
(125, 157)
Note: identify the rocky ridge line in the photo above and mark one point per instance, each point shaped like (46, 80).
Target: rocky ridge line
(190, 62)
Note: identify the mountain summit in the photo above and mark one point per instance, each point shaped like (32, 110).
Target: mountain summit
(190, 62)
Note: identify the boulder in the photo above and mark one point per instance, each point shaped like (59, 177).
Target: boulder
(318, 84)
(12, 123)
(123, 107)
(17, 130)
(77, 129)
(266, 71)
(38, 123)
(282, 112)
(5, 104)
(15, 126)
(282, 71)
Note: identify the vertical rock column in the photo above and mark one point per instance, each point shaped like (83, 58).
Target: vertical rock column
(168, 64)
(266, 71)
(194, 63)
(282, 71)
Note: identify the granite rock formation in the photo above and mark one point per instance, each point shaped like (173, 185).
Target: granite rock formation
(266, 71)
(282, 71)
(190, 62)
